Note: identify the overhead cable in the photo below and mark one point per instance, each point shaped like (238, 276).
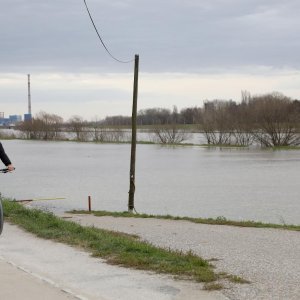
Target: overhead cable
(101, 40)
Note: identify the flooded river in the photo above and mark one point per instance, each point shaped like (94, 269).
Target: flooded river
(238, 184)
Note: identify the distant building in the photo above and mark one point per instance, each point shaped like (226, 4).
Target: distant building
(27, 117)
(15, 119)
(12, 120)
(4, 122)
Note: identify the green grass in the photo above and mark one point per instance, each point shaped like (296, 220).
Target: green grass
(115, 248)
(216, 221)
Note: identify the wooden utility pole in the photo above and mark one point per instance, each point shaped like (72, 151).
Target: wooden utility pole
(133, 135)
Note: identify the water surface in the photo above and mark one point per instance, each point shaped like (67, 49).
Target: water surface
(188, 181)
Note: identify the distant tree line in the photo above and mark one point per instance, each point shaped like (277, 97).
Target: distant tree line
(43, 126)
(161, 116)
(270, 120)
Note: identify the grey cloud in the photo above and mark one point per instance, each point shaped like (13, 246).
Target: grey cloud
(170, 35)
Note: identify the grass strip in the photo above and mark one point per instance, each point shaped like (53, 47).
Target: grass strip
(115, 248)
(210, 221)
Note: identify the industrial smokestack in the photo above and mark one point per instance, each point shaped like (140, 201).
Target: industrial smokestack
(29, 96)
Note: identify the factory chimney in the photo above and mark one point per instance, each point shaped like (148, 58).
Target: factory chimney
(28, 116)
(29, 96)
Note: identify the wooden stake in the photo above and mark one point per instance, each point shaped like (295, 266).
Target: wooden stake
(90, 203)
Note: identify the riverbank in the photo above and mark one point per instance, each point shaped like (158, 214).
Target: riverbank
(144, 138)
(268, 259)
(114, 248)
(74, 270)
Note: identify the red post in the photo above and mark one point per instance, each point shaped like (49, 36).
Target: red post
(90, 204)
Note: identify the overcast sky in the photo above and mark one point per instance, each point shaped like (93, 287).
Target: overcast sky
(190, 51)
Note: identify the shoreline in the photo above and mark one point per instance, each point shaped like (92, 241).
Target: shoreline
(64, 264)
(209, 146)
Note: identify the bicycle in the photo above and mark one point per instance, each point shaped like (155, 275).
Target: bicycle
(1, 207)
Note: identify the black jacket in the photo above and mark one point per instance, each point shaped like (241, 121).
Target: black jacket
(3, 156)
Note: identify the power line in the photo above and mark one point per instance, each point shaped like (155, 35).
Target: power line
(118, 60)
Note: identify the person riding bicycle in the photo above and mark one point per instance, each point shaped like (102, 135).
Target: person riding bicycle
(5, 159)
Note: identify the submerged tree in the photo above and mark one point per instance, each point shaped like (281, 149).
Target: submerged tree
(171, 133)
(43, 126)
(242, 123)
(78, 126)
(217, 125)
(275, 120)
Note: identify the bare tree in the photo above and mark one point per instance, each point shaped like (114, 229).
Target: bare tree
(152, 116)
(78, 126)
(275, 120)
(96, 125)
(217, 125)
(101, 133)
(48, 125)
(171, 133)
(191, 115)
(26, 128)
(242, 123)
(43, 126)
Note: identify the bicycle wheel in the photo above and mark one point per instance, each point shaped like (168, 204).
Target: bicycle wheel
(1, 217)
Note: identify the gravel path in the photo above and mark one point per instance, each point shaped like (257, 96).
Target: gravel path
(58, 267)
(269, 258)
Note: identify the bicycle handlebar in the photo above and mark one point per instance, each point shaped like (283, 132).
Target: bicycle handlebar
(5, 170)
